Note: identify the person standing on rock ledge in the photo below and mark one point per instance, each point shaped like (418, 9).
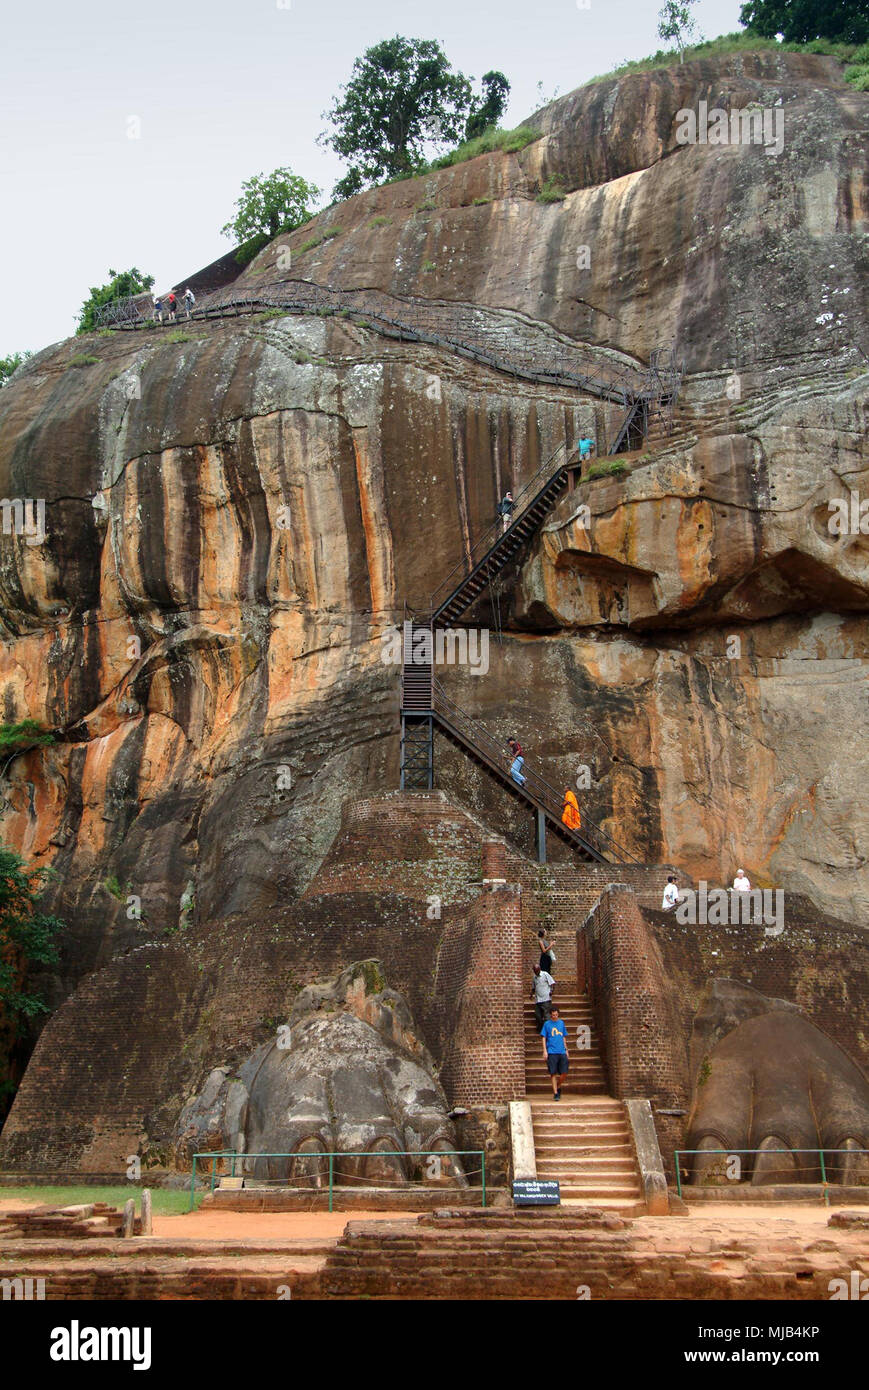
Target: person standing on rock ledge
(671, 894)
(542, 985)
(555, 1055)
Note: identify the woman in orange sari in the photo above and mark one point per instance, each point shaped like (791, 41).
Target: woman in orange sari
(570, 814)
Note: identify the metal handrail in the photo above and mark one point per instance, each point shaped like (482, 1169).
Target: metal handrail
(233, 1154)
(490, 538)
(537, 789)
(307, 296)
(820, 1152)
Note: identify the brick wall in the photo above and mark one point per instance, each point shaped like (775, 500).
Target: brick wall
(479, 978)
(646, 974)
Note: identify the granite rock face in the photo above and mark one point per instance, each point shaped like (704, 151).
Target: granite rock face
(346, 1075)
(237, 510)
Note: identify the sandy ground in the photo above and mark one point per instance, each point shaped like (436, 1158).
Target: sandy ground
(238, 1225)
(717, 1217)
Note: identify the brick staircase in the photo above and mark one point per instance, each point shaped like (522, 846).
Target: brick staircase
(584, 1139)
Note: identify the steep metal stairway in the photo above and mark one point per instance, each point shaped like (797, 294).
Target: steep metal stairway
(426, 706)
(496, 548)
(590, 842)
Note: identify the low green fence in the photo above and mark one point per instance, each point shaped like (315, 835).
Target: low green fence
(821, 1152)
(228, 1155)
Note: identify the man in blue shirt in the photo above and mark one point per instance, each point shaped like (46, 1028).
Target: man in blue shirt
(554, 1035)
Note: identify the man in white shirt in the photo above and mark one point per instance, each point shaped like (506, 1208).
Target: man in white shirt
(542, 985)
(671, 895)
(741, 883)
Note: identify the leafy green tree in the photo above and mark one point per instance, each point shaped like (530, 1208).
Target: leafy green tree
(9, 364)
(488, 112)
(121, 283)
(676, 22)
(271, 204)
(800, 21)
(402, 93)
(27, 936)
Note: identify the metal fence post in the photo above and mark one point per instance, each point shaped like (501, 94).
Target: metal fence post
(192, 1184)
(483, 1157)
(331, 1171)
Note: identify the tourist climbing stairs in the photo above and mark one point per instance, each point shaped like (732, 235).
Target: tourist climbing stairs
(582, 1140)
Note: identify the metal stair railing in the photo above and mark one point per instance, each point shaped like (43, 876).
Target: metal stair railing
(495, 537)
(437, 322)
(590, 837)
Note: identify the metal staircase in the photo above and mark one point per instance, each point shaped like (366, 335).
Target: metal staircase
(424, 703)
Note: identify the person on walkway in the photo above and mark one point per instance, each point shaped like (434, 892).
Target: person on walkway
(555, 1054)
(671, 894)
(547, 955)
(570, 811)
(741, 883)
(505, 511)
(189, 300)
(586, 448)
(516, 771)
(158, 309)
(542, 985)
(173, 305)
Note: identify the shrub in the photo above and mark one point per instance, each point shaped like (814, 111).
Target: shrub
(428, 265)
(605, 469)
(82, 359)
(507, 141)
(479, 202)
(379, 221)
(553, 191)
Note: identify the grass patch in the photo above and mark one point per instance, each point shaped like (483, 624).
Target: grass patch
(553, 191)
(479, 202)
(270, 314)
(327, 235)
(380, 222)
(179, 337)
(507, 141)
(82, 359)
(166, 1201)
(608, 469)
(428, 265)
(427, 206)
(739, 42)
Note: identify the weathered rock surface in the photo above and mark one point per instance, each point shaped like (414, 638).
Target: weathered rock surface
(236, 512)
(345, 1075)
(771, 1081)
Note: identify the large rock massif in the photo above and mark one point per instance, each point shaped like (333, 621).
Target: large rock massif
(236, 512)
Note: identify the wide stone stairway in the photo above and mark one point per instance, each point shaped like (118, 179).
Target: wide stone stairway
(582, 1140)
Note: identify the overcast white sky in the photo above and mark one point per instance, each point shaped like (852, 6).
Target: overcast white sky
(224, 89)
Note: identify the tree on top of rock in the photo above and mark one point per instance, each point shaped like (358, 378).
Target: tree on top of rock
(800, 21)
(675, 21)
(270, 204)
(488, 111)
(403, 94)
(120, 285)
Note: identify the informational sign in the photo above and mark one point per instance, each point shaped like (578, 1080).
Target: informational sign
(536, 1192)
